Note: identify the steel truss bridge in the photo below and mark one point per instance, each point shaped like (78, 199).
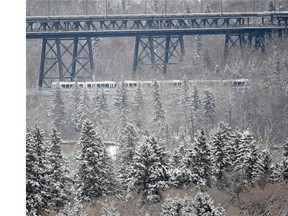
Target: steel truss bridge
(67, 41)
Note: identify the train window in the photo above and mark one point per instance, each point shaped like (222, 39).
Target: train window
(130, 84)
(98, 85)
(175, 84)
(81, 85)
(102, 85)
(63, 85)
(107, 85)
(135, 84)
(89, 85)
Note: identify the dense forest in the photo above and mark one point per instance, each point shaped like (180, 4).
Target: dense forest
(196, 149)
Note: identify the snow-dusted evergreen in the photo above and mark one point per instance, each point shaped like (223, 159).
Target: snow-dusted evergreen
(57, 109)
(209, 106)
(75, 100)
(138, 109)
(121, 104)
(149, 171)
(204, 205)
(37, 184)
(159, 113)
(201, 164)
(100, 110)
(285, 163)
(93, 176)
(128, 142)
(221, 151)
(57, 174)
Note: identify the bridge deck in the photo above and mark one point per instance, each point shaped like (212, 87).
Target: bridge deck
(146, 24)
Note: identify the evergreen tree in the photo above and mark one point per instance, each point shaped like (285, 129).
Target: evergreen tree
(127, 146)
(148, 174)
(264, 174)
(37, 185)
(180, 175)
(93, 174)
(75, 107)
(138, 104)
(276, 175)
(221, 145)
(121, 104)
(285, 163)
(203, 205)
(57, 174)
(100, 111)
(202, 161)
(159, 113)
(209, 106)
(196, 102)
(73, 208)
(57, 110)
(85, 107)
(172, 207)
(199, 47)
(252, 164)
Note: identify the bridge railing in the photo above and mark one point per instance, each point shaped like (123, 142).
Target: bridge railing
(143, 22)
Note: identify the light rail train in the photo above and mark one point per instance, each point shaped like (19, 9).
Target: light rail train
(132, 84)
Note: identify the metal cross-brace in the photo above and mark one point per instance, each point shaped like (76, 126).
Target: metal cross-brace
(158, 52)
(242, 40)
(66, 59)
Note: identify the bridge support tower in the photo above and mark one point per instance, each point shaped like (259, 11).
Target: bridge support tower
(66, 60)
(158, 52)
(242, 40)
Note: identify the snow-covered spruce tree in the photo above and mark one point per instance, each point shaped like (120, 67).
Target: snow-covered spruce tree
(221, 151)
(203, 205)
(85, 107)
(93, 173)
(172, 206)
(199, 47)
(285, 163)
(159, 116)
(37, 185)
(252, 164)
(138, 109)
(58, 174)
(121, 104)
(180, 175)
(109, 209)
(263, 175)
(196, 102)
(276, 175)
(149, 172)
(75, 113)
(209, 107)
(100, 110)
(128, 142)
(239, 157)
(57, 109)
(189, 115)
(202, 161)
